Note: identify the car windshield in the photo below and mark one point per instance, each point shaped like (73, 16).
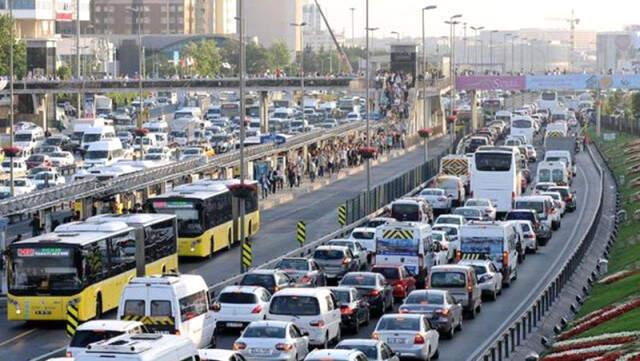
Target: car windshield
(96, 154)
(36, 158)
(255, 279)
(467, 212)
(448, 220)
(238, 298)
(370, 351)
(526, 216)
(399, 323)
(347, 244)
(294, 264)
(343, 296)
(358, 280)
(294, 305)
(265, 332)
(425, 298)
(477, 203)
(447, 279)
(83, 338)
(89, 138)
(390, 273)
(537, 206)
(479, 270)
(432, 192)
(328, 254)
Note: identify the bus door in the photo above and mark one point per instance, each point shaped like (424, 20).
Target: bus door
(235, 212)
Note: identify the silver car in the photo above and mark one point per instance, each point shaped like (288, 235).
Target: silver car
(485, 205)
(374, 350)
(444, 313)
(408, 335)
(357, 249)
(306, 272)
(437, 198)
(272, 340)
(489, 278)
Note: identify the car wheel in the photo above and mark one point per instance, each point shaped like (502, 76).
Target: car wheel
(367, 318)
(325, 344)
(338, 337)
(428, 358)
(436, 355)
(451, 333)
(472, 313)
(459, 326)
(494, 294)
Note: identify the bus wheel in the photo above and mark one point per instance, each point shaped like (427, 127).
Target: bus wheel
(250, 230)
(213, 246)
(230, 240)
(164, 269)
(98, 306)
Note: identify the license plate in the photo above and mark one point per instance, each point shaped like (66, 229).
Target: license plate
(234, 324)
(260, 351)
(396, 340)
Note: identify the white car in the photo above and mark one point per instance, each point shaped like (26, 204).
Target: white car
(374, 350)
(483, 204)
(48, 179)
(100, 330)
(489, 278)
(444, 253)
(215, 354)
(191, 153)
(453, 232)
(558, 201)
(532, 153)
(409, 335)
(20, 186)
(237, 306)
(455, 219)
(336, 355)
(527, 235)
(437, 198)
(19, 167)
(272, 340)
(366, 237)
(357, 249)
(62, 159)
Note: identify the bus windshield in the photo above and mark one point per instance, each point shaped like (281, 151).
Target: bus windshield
(493, 162)
(44, 270)
(189, 223)
(521, 123)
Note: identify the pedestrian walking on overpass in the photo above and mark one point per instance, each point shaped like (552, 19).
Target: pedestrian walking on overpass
(36, 227)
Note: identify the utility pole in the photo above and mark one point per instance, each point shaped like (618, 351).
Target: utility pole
(368, 114)
(11, 96)
(79, 95)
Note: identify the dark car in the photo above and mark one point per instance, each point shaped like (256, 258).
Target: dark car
(373, 287)
(272, 280)
(354, 308)
(399, 278)
(61, 141)
(568, 196)
(542, 233)
(306, 272)
(38, 160)
(444, 313)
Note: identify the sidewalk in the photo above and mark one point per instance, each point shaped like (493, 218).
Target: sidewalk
(289, 194)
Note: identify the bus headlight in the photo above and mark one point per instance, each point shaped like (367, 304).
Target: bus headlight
(195, 243)
(15, 304)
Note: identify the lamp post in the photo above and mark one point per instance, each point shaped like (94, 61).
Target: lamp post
(242, 66)
(300, 26)
(138, 12)
(353, 29)
(368, 102)
(452, 22)
(11, 95)
(79, 95)
(491, 48)
(426, 120)
(476, 42)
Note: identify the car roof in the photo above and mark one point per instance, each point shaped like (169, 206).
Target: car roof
(332, 353)
(241, 289)
(270, 323)
(332, 248)
(449, 267)
(210, 353)
(359, 341)
(402, 315)
(301, 292)
(263, 271)
(475, 262)
(108, 325)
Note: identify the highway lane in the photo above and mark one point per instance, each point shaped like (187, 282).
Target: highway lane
(532, 275)
(276, 237)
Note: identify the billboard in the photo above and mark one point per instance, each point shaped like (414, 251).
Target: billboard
(64, 10)
(488, 82)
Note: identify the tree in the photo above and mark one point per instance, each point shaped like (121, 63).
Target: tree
(635, 104)
(19, 50)
(207, 59)
(279, 55)
(258, 58)
(64, 72)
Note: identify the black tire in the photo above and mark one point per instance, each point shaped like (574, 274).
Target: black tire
(436, 355)
(472, 313)
(325, 345)
(214, 340)
(451, 333)
(494, 295)
(99, 308)
(356, 327)
(213, 244)
(367, 319)
(459, 327)
(338, 337)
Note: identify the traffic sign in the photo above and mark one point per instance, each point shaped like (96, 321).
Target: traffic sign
(342, 216)
(302, 232)
(247, 255)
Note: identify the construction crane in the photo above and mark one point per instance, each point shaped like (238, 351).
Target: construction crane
(343, 56)
(573, 21)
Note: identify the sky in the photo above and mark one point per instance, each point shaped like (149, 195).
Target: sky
(404, 15)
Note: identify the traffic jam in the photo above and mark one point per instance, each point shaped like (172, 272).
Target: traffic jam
(418, 270)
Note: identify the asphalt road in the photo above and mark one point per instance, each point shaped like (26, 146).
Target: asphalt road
(23, 341)
(532, 275)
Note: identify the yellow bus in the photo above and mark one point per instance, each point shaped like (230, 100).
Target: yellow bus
(208, 216)
(85, 263)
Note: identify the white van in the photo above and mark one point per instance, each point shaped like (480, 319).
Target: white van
(28, 139)
(96, 134)
(496, 241)
(563, 156)
(555, 172)
(101, 330)
(142, 347)
(314, 310)
(103, 153)
(177, 304)
(188, 112)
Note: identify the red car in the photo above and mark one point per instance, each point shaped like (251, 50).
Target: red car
(38, 160)
(399, 278)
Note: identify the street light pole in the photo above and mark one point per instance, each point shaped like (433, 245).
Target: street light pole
(504, 52)
(353, 29)
(300, 26)
(79, 95)
(426, 120)
(242, 70)
(513, 54)
(11, 95)
(452, 69)
(368, 113)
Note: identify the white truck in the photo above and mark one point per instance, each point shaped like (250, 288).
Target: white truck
(103, 105)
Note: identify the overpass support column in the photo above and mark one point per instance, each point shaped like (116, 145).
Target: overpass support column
(474, 110)
(264, 112)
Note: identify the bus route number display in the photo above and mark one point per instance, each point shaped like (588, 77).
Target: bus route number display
(43, 252)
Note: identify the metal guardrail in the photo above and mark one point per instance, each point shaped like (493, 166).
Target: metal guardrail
(503, 342)
(50, 197)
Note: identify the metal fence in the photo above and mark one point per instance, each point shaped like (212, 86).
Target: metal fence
(621, 125)
(503, 342)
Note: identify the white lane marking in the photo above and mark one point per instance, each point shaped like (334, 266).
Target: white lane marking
(17, 337)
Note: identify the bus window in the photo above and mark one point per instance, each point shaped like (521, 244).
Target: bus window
(406, 212)
(160, 241)
(39, 270)
(493, 162)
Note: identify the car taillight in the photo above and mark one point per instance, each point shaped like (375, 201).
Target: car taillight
(505, 259)
(286, 347)
(374, 293)
(345, 262)
(443, 311)
(346, 310)
(418, 340)
(69, 354)
(239, 346)
(317, 323)
(176, 332)
(513, 195)
(257, 309)
(305, 279)
(458, 256)
(216, 307)
(375, 336)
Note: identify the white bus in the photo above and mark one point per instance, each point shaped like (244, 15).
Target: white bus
(523, 125)
(495, 175)
(548, 100)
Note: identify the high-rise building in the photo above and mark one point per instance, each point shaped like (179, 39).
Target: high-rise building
(224, 16)
(316, 35)
(270, 21)
(617, 51)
